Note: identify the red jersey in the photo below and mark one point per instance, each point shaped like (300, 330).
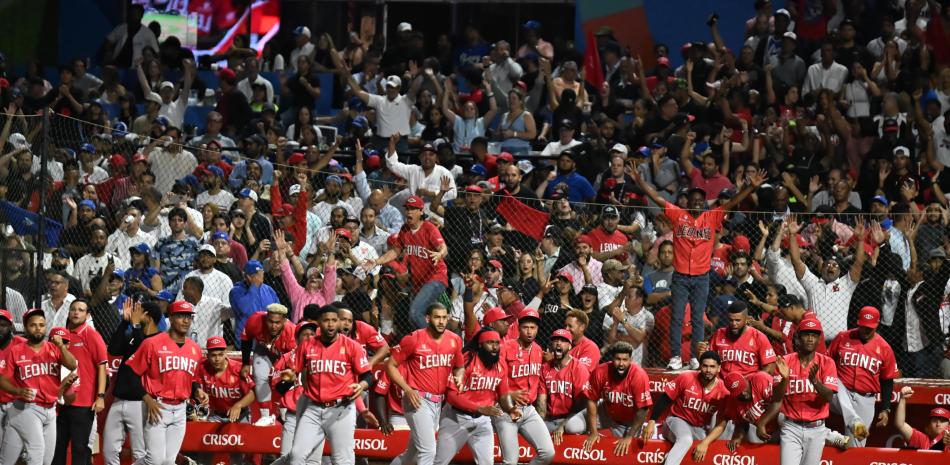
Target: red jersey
(226, 388)
(481, 385)
(393, 393)
(329, 371)
(802, 402)
(367, 336)
(37, 370)
(586, 352)
(692, 402)
(524, 367)
(87, 346)
(746, 354)
(719, 259)
(289, 399)
(602, 241)
(861, 366)
(429, 363)
(622, 398)
(751, 410)
(213, 15)
(256, 329)
(564, 386)
(6, 397)
(693, 238)
(785, 327)
(919, 440)
(415, 250)
(167, 370)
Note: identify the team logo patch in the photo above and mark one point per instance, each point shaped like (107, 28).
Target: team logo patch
(734, 384)
(868, 316)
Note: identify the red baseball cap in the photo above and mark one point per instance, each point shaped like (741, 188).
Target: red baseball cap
(735, 383)
(473, 188)
(740, 243)
(496, 264)
(181, 306)
(869, 317)
(5, 314)
(584, 239)
(810, 324)
(940, 412)
(63, 333)
(139, 157)
(567, 276)
(663, 61)
(415, 202)
(284, 210)
(563, 334)
(495, 314)
(529, 313)
(372, 162)
(117, 160)
(487, 336)
(216, 342)
(31, 312)
(345, 233)
(296, 158)
(505, 156)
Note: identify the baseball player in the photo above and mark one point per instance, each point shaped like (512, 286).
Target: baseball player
(523, 358)
(465, 416)
(811, 385)
(7, 340)
(623, 389)
(430, 357)
(140, 321)
(561, 401)
(291, 390)
(866, 367)
(267, 335)
(31, 373)
(584, 350)
(387, 401)
(936, 433)
(695, 397)
(366, 335)
(229, 393)
(792, 309)
(75, 420)
(743, 349)
(335, 372)
(167, 364)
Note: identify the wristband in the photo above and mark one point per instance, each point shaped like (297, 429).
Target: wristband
(468, 296)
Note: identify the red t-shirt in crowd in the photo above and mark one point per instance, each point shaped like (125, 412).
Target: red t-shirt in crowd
(481, 385)
(329, 370)
(289, 399)
(606, 242)
(751, 410)
(416, 247)
(802, 402)
(746, 354)
(429, 364)
(919, 440)
(861, 366)
(692, 402)
(524, 367)
(87, 346)
(693, 238)
(226, 388)
(586, 352)
(712, 185)
(564, 386)
(6, 397)
(256, 329)
(621, 398)
(37, 370)
(167, 370)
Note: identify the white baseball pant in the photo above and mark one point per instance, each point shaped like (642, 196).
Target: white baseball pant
(423, 424)
(290, 427)
(853, 407)
(575, 423)
(532, 427)
(456, 429)
(802, 444)
(681, 434)
(163, 439)
(32, 430)
(316, 423)
(125, 416)
(261, 368)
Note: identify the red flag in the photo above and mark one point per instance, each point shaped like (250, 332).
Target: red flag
(521, 217)
(593, 73)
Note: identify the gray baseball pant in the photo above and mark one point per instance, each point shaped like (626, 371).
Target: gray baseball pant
(681, 434)
(316, 423)
(261, 367)
(575, 423)
(163, 439)
(456, 429)
(853, 407)
(800, 444)
(532, 427)
(15, 439)
(125, 416)
(423, 424)
(32, 429)
(290, 427)
(750, 435)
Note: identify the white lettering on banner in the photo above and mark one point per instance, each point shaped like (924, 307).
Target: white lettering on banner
(826, 462)
(222, 440)
(658, 386)
(888, 463)
(943, 399)
(656, 456)
(575, 453)
(725, 459)
(524, 452)
(369, 444)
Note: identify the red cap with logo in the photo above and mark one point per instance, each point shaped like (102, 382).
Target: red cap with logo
(505, 156)
(344, 233)
(495, 314)
(735, 383)
(741, 243)
(216, 342)
(63, 333)
(567, 277)
(496, 264)
(940, 412)
(180, 306)
(563, 334)
(869, 317)
(810, 324)
(31, 312)
(529, 313)
(5, 314)
(415, 202)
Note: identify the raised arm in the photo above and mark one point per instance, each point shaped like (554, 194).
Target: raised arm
(755, 181)
(648, 189)
(794, 252)
(446, 95)
(859, 256)
(900, 413)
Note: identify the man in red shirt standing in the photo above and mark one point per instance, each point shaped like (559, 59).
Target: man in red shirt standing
(268, 335)
(811, 385)
(696, 397)
(624, 389)
(75, 420)
(866, 369)
(168, 364)
(433, 360)
(584, 350)
(694, 233)
(290, 390)
(421, 243)
(562, 400)
(30, 373)
(743, 350)
(7, 340)
(935, 431)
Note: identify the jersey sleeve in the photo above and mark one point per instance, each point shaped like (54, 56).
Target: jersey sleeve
(918, 440)
(358, 359)
(458, 361)
(7, 365)
(672, 211)
(716, 216)
(382, 383)
(581, 380)
(828, 374)
(594, 385)
(405, 349)
(138, 362)
(766, 352)
(503, 385)
(434, 237)
(672, 389)
(641, 386)
(371, 336)
(832, 350)
(889, 369)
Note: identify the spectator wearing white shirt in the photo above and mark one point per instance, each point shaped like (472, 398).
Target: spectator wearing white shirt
(565, 141)
(393, 112)
(888, 33)
(92, 264)
(252, 67)
(210, 312)
(213, 179)
(16, 305)
(425, 178)
(89, 172)
(125, 43)
(332, 197)
(941, 138)
(56, 303)
(505, 71)
(169, 161)
(302, 46)
(216, 283)
(173, 107)
(826, 74)
(127, 235)
(630, 322)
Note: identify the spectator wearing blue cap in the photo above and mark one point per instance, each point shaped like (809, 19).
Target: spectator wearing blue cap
(212, 179)
(250, 295)
(231, 255)
(141, 278)
(128, 234)
(533, 41)
(174, 254)
(332, 195)
(214, 123)
(258, 224)
(89, 172)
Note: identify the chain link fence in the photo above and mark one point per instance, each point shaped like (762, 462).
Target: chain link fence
(165, 215)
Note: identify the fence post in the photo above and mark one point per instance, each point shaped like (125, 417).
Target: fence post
(41, 229)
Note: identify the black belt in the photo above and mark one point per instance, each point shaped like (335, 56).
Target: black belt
(466, 412)
(807, 424)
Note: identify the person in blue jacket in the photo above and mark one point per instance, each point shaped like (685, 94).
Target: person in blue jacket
(250, 296)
